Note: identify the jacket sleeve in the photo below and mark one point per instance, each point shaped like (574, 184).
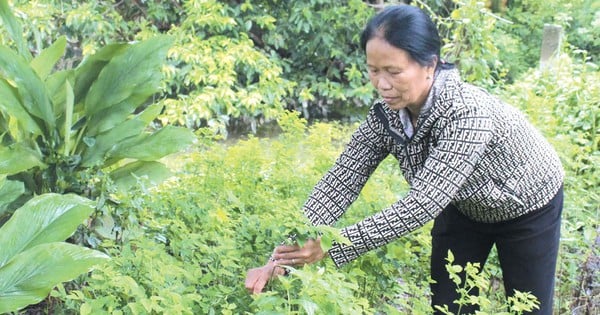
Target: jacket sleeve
(341, 185)
(462, 141)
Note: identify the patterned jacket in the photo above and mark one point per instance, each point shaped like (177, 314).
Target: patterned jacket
(469, 149)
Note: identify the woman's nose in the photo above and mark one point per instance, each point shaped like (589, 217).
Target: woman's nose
(383, 84)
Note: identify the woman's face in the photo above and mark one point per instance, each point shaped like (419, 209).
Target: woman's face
(401, 81)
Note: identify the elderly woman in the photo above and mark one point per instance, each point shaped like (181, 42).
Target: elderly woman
(474, 165)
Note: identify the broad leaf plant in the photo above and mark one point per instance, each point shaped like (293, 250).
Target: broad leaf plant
(63, 130)
(63, 133)
(33, 256)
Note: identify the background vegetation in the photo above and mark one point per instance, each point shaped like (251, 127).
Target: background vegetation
(231, 72)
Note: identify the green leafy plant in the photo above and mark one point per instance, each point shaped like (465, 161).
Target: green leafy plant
(466, 33)
(233, 64)
(231, 82)
(33, 256)
(475, 278)
(68, 130)
(231, 203)
(197, 234)
(562, 102)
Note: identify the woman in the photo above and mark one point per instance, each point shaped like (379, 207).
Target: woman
(473, 163)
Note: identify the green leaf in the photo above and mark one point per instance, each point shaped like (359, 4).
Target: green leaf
(329, 235)
(29, 86)
(11, 103)
(104, 143)
(167, 140)
(110, 117)
(30, 275)
(47, 59)
(17, 158)
(14, 29)
(43, 219)
(309, 306)
(55, 85)
(89, 69)
(68, 118)
(127, 175)
(137, 67)
(150, 113)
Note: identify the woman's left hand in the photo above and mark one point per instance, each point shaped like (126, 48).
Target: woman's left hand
(294, 255)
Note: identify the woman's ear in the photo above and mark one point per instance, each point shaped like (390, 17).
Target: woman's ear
(433, 63)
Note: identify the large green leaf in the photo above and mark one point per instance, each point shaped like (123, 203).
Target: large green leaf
(106, 142)
(11, 105)
(89, 69)
(128, 175)
(99, 147)
(30, 87)
(152, 147)
(43, 219)
(108, 118)
(17, 158)
(47, 59)
(55, 85)
(30, 275)
(137, 67)
(14, 29)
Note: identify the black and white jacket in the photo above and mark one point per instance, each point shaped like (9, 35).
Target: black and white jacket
(469, 149)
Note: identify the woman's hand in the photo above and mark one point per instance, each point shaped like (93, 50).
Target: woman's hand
(257, 278)
(284, 255)
(294, 255)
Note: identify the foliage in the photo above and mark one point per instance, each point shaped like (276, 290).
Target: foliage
(562, 101)
(218, 74)
(327, 69)
(231, 203)
(520, 41)
(142, 278)
(465, 33)
(496, 47)
(203, 239)
(190, 240)
(235, 64)
(59, 129)
(33, 258)
(477, 279)
(262, 57)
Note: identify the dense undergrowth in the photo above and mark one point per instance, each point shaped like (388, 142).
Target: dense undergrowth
(184, 247)
(190, 241)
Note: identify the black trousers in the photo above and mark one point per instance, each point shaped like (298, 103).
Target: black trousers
(527, 249)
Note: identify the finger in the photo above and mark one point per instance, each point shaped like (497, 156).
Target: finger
(298, 253)
(250, 284)
(258, 288)
(284, 258)
(293, 261)
(250, 280)
(286, 248)
(260, 283)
